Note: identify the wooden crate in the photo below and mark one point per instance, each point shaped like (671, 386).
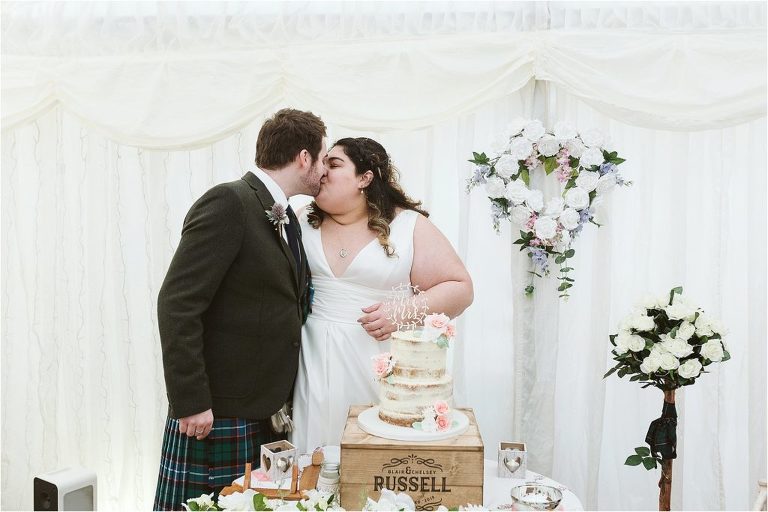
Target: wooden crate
(433, 473)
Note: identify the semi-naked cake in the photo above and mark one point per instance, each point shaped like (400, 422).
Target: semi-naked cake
(418, 379)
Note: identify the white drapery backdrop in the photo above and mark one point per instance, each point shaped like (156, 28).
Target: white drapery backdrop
(90, 220)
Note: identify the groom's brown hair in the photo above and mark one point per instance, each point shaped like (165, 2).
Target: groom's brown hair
(285, 134)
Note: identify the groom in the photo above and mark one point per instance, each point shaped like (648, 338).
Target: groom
(230, 313)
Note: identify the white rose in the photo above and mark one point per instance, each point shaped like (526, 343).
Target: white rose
(516, 126)
(677, 347)
(712, 350)
(564, 131)
(668, 361)
(545, 228)
(680, 310)
(517, 192)
(535, 200)
(593, 137)
(650, 364)
(690, 369)
(591, 157)
(506, 166)
(495, 188)
(685, 331)
(521, 214)
(643, 322)
(622, 343)
(499, 145)
(237, 500)
(650, 301)
(587, 180)
(605, 184)
(554, 206)
(548, 146)
(636, 343)
(577, 198)
(704, 325)
(569, 218)
(520, 148)
(533, 130)
(575, 148)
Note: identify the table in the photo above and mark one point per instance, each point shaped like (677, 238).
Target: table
(496, 490)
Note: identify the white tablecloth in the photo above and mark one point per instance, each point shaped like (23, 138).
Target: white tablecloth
(496, 490)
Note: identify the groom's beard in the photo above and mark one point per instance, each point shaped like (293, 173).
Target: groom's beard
(312, 179)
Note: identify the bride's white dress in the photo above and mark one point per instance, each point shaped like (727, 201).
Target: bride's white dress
(335, 369)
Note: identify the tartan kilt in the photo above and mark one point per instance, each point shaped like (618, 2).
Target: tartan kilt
(190, 468)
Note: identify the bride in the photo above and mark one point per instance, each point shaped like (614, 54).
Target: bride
(363, 236)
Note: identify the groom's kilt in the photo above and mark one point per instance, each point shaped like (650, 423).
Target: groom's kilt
(190, 468)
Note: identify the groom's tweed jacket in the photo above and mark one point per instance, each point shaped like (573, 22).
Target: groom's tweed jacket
(230, 309)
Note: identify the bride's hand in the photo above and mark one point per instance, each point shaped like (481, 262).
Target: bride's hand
(376, 323)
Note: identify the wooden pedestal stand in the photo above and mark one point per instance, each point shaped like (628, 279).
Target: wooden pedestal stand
(665, 482)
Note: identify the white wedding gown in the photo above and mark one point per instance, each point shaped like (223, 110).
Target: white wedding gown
(335, 369)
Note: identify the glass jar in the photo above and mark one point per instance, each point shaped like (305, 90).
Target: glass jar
(328, 481)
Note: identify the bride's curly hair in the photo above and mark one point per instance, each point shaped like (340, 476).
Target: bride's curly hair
(383, 195)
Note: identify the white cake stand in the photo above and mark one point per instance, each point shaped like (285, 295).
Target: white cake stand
(370, 422)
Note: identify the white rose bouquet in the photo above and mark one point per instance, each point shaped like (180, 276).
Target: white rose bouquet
(667, 342)
(252, 500)
(582, 164)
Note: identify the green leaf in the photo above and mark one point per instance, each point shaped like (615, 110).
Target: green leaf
(550, 164)
(677, 290)
(726, 356)
(643, 450)
(566, 269)
(610, 372)
(635, 377)
(633, 460)
(612, 337)
(560, 259)
(569, 253)
(193, 506)
(649, 463)
(300, 506)
(529, 289)
(525, 176)
(259, 502)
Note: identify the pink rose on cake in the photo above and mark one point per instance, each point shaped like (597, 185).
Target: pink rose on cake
(441, 407)
(443, 423)
(383, 365)
(438, 321)
(437, 328)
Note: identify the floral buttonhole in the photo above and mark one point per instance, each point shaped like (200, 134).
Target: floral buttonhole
(278, 216)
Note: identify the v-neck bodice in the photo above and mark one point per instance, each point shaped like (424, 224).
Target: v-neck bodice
(370, 276)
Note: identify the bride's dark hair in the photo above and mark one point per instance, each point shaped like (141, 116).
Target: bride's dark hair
(383, 195)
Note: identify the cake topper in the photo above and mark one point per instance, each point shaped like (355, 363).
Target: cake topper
(405, 307)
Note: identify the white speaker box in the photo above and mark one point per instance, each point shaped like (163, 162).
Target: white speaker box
(65, 489)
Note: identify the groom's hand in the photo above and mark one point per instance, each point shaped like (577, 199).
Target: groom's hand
(198, 425)
(376, 323)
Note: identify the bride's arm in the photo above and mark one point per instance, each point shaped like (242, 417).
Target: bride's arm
(439, 272)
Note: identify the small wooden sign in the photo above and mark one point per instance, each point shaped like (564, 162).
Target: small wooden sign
(433, 473)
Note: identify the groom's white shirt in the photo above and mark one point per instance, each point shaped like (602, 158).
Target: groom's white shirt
(274, 189)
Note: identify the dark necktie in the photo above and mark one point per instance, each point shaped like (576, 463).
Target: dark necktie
(292, 232)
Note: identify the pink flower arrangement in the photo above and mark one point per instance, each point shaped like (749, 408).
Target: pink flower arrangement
(443, 423)
(441, 407)
(383, 364)
(437, 327)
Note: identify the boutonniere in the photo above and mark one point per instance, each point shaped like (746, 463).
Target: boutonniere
(278, 217)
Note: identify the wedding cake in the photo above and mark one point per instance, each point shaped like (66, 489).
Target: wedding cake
(415, 389)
